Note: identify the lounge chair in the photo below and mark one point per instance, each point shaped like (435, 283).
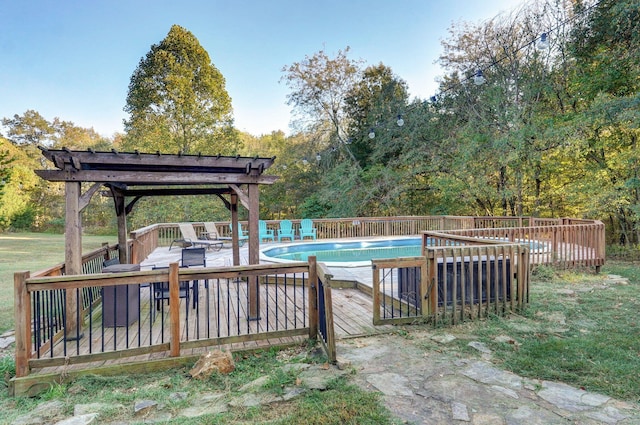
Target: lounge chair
(286, 230)
(211, 233)
(307, 229)
(265, 232)
(189, 238)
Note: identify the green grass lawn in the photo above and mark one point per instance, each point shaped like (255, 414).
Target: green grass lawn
(579, 328)
(32, 252)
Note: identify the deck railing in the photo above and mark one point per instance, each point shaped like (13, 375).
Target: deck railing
(561, 242)
(323, 306)
(566, 245)
(458, 278)
(232, 305)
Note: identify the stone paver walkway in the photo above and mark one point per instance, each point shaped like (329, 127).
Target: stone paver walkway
(431, 387)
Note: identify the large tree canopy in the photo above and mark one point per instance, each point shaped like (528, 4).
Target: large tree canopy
(29, 129)
(320, 85)
(177, 100)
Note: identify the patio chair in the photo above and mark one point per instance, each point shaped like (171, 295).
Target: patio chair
(265, 232)
(189, 238)
(243, 235)
(286, 230)
(110, 262)
(191, 257)
(307, 229)
(211, 232)
(194, 257)
(161, 291)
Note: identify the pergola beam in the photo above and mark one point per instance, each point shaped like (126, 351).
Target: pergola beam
(153, 177)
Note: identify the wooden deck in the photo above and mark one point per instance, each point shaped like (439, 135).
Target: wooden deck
(282, 306)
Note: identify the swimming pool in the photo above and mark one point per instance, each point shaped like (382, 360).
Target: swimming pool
(345, 254)
(352, 253)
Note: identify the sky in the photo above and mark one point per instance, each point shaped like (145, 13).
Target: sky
(73, 59)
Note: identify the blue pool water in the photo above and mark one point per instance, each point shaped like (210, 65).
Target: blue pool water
(352, 253)
(346, 252)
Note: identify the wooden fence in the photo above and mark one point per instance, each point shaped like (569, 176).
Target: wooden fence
(458, 278)
(565, 245)
(227, 306)
(562, 242)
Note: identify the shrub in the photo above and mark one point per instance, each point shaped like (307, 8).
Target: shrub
(24, 220)
(7, 369)
(543, 273)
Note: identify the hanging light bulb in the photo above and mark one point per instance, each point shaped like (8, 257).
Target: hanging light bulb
(543, 42)
(372, 134)
(318, 157)
(478, 79)
(304, 160)
(400, 121)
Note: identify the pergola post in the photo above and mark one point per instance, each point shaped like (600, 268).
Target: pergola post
(254, 247)
(121, 213)
(235, 241)
(72, 256)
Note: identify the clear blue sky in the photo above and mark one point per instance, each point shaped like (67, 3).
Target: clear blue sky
(73, 59)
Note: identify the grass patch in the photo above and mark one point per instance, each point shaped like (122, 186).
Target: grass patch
(341, 403)
(32, 252)
(579, 329)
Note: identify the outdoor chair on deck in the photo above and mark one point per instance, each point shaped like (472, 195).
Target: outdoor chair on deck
(286, 230)
(211, 232)
(161, 291)
(307, 229)
(242, 234)
(191, 257)
(110, 262)
(189, 238)
(264, 231)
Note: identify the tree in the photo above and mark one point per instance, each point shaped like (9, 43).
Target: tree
(32, 129)
(503, 135)
(607, 134)
(5, 170)
(73, 137)
(320, 86)
(177, 100)
(374, 104)
(29, 129)
(17, 182)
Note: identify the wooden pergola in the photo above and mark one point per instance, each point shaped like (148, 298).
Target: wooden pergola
(129, 176)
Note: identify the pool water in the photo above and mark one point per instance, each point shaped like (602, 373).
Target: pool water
(347, 252)
(353, 253)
